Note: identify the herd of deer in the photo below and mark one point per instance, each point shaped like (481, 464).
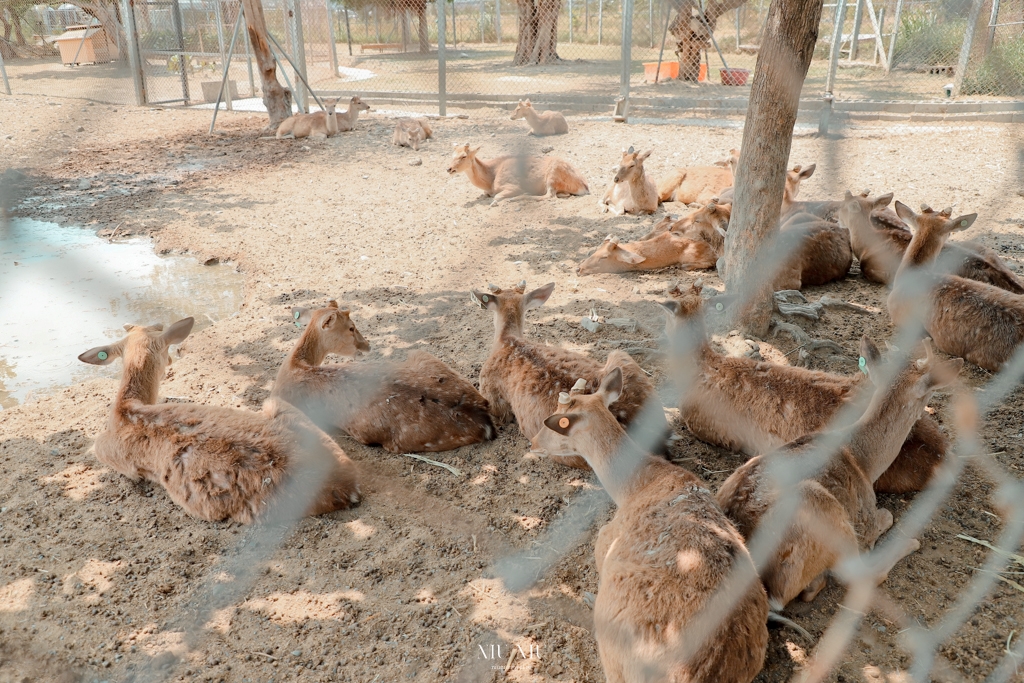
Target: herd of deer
(673, 543)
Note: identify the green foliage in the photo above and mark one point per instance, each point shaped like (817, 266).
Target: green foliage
(927, 40)
(1000, 73)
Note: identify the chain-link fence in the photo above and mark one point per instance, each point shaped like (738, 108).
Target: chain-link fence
(568, 52)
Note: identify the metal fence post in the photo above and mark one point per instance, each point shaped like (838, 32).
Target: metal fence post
(895, 31)
(219, 17)
(442, 85)
(183, 60)
(330, 35)
(134, 58)
(858, 18)
(298, 56)
(7, 84)
(497, 20)
(833, 64)
(570, 20)
(627, 48)
(965, 49)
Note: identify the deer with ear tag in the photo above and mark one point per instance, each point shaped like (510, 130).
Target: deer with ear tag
(419, 405)
(216, 463)
(522, 378)
(661, 251)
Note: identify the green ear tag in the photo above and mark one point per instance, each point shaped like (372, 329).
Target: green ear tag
(102, 355)
(963, 224)
(296, 314)
(484, 298)
(719, 306)
(863, 365)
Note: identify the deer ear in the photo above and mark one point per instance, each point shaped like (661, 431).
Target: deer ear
(941, 375)
(630, 151)
(537, 297)
(963, 222)
(626, 256)
(177, 332)
(528, 102)
(673, 307)
(329, 320)
(102, 355)
(870, 356)
(472, 151)
(301, 316)
(905, 212)
(808, 172)
(484, 300)
(847, 196)
(562, 423)
(883, 200)
(643, 157)
(611, 387)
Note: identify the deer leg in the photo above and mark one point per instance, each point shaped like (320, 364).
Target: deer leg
(813, 588)
(507, 193)
(910, 545)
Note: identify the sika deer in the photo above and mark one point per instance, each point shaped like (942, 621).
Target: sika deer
(216, 463)
(753, 407)
(662, 251)
(541, 123)
(977, 321)
(419, 405)
(522, 378)
(821, 253)
(838, 515)
(320, 124)
(411, 132)
(512, 177)
(347, 121)
(880, 239)
(666, 553)
(699, 183)
(632, 190)
(707, 224)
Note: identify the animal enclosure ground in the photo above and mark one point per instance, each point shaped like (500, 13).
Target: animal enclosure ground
(97, 573)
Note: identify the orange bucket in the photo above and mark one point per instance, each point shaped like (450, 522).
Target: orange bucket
(734, 76)
(702, 76)
(668, 71)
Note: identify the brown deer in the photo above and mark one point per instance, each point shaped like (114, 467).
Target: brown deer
(667, 551)
(707, 223)
(753, 407)
(838, 515)
(522, 378)
(216, 463)
(821, 252)
(511, 177)
(699, 183)
(979, 322)
(880, 239)
(419, 405)
(825, 210)
(411, 132)
(320, 124)
(661, 251)
(632, 190)
(541, 123)
(347, 120)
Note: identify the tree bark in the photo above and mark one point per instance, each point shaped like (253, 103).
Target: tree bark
(538, 32)
(790, 33)
(277, 99)
(421, 19)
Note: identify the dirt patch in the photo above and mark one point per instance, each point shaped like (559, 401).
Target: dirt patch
(99, 575)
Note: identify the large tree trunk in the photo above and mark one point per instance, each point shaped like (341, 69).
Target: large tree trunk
(277, 99)
(790, 33)
(691, 35)
(538, 32)
(17, 29)
(421, 20)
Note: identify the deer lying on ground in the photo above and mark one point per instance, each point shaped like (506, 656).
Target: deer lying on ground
(660, 560)
(512, 177)
(753, 407)
(664, 250)
(320, 124)
(632, 190)
(411, 132)
(708, 224)
(880, 244)
(419, 405)
(979, 322)
(347, 120)
(821, 252)
(541, 123)
(838, 515)
(216, 463)
(825, 210)
(522, 378)
(699, 183)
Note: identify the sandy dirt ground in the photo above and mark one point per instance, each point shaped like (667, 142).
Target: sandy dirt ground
(101, 577)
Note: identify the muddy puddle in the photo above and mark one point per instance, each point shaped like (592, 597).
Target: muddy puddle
(64, 290)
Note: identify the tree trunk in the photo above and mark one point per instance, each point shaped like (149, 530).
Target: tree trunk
(277, 99)
(691, 35)
(17, 29)
(421, 19)
(538, 32)
(790, 33)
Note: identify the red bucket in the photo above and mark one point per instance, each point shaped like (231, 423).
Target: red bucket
(734, 76)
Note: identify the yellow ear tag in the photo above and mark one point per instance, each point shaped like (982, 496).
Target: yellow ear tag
(564, 423)
(102, 355)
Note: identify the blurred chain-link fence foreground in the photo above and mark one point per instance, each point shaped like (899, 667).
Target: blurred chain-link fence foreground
(888, 56)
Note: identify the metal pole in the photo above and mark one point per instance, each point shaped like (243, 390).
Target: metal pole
(837, 38)
(182, 57)
(965, 49)
(298, 73)
(7, 83)
(218, 15)
(455, 25)
(348, 30)
(707, 27)
(227, 68)
(134, 59)
(664, 37)
(570, 21)
(600, 20)
(442, 36)
(627, 48)
(330, 35)
(650, 21)
(895, 31)
(738, 27)
(85, 34)
(497, 20)
(299, 50)
(481, 22)
(858, 17)
(993, 19)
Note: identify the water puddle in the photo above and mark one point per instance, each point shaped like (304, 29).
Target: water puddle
(64, 290)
